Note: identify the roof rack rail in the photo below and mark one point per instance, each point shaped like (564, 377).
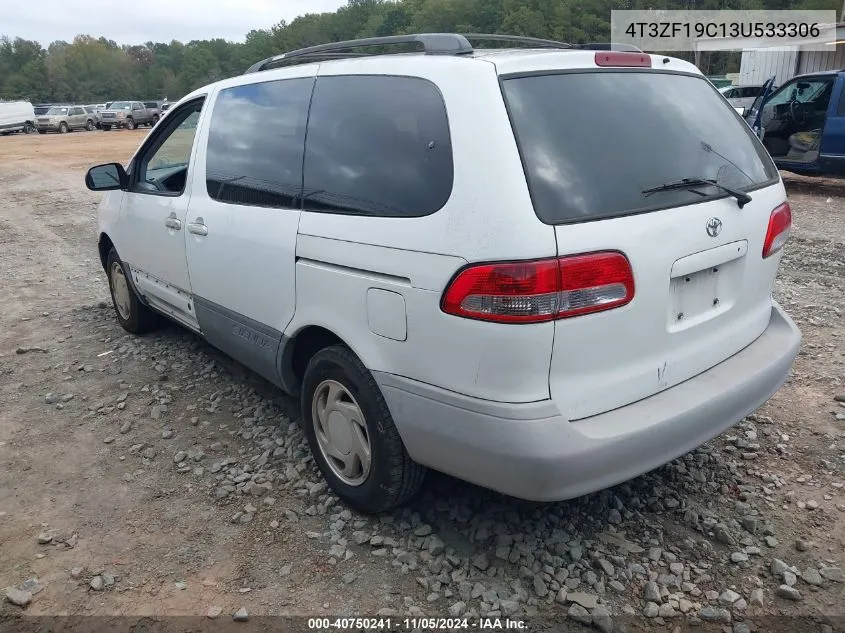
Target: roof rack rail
(517, 39)
(606, 46)
(433, 44)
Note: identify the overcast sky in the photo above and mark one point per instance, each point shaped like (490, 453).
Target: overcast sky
(139, 21)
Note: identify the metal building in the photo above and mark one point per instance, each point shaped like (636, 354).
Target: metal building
(759, 63)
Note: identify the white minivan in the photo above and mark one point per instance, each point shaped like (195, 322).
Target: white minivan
(538, 268)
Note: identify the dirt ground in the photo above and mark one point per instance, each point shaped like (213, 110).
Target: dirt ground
(164, 479)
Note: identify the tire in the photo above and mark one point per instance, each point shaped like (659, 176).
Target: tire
(28, 128)
(392, 477)
(89, 125)
(63, 129)
(155, 120)
(130, 124)
(106, 127)
(133, 316)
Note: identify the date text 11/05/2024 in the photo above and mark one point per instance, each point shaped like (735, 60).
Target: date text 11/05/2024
(415, 624)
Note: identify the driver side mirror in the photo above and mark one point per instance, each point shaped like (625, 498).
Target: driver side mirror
(107, 177)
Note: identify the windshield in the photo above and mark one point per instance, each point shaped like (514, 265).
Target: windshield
(121, 105)
(57, 111)
(801, 91)
(592, 142)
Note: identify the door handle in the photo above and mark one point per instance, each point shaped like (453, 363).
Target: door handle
(173, 223)
(198, 227)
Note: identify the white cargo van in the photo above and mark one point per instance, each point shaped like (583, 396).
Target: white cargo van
(16, 116)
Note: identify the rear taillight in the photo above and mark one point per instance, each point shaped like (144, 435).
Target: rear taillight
(615, 58)
(541, 290)
(778, 232)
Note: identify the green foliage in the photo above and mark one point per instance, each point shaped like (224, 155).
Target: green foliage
(95, 70)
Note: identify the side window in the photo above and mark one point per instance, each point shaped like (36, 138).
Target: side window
(378, 146)
(255, 143)
(77, 111)
(163, 164)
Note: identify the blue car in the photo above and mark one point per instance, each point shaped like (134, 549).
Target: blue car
(802, 123)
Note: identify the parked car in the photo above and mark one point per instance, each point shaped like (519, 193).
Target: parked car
(165, 107)
(94, 111)
(155, 107)
(42, 108)
(741, 97)
(64, 119)
(562, 320)
(16, 116)
(128, 114)
(802, 123)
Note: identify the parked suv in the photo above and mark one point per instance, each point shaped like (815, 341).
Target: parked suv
(93, 111)
(64, 119)
(528, 268)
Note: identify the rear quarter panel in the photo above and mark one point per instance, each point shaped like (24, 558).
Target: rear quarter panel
(489, 216)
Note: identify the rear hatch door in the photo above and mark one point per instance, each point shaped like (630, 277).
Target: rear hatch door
(593, 144)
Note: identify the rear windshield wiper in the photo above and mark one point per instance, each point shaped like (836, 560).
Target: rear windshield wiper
(691, 183)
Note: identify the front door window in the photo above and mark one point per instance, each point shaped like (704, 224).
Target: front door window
(162, 168)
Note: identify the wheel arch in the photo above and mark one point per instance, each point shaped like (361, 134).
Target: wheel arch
(104, 245)
(299, 347)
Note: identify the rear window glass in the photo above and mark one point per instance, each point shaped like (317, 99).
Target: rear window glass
(592, 142)
(379, 146)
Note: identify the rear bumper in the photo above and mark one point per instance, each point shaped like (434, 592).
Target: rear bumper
(530, 451)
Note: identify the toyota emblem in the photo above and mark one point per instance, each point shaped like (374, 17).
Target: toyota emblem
(714, 227)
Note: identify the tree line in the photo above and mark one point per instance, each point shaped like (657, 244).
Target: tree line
(90, 69)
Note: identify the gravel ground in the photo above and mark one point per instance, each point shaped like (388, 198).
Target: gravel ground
(155, 477)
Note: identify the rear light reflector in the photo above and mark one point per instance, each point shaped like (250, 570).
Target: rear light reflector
(542, 290)
(780, 222)
(616, 58)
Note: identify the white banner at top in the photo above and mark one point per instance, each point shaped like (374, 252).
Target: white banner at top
(660, 30)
